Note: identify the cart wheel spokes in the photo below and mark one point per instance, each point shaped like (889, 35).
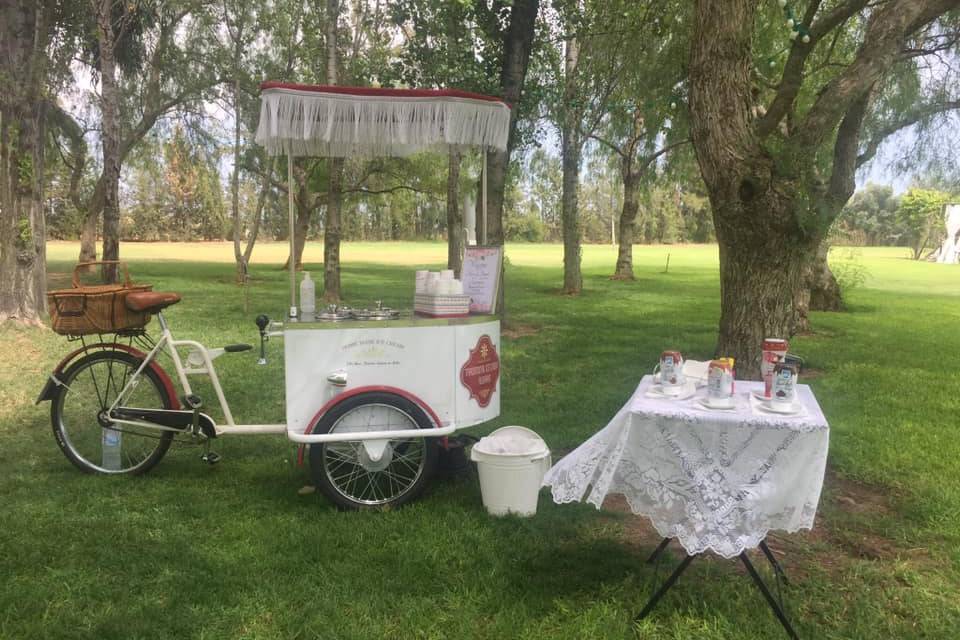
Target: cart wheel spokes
(353, 477)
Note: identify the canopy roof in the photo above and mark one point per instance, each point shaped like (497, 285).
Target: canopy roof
(319, 120)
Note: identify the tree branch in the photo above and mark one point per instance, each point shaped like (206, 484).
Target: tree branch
(792, 78)
(910, 119)
(399, 187)
(648, 160)
(843, 178)
(886, 31)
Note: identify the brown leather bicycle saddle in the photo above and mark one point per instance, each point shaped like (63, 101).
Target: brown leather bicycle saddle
(151, 301)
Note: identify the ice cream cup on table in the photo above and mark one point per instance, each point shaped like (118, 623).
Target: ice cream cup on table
(774, 351)
(672, 380)
(784, 386)
(720, 383)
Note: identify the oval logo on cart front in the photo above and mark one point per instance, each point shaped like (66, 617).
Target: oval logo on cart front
(479, 374)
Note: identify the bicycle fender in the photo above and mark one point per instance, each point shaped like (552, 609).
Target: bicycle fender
(49, 390)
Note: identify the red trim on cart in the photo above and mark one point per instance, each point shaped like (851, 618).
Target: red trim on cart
(385, 93)
(360, 390)
(164, 378)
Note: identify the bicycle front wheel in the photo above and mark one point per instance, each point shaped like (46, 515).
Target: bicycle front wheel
(79, 415)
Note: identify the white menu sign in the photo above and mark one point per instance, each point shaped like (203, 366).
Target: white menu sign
(481, 277)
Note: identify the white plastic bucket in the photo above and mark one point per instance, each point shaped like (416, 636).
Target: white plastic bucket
(511, 463)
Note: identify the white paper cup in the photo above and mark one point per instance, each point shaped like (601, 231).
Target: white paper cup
(421, 281)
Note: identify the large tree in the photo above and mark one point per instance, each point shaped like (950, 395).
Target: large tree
(517, 41)
(441, 46)
(778, 175)
(152, 59)
(26, 33)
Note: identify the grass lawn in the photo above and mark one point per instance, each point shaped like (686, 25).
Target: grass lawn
(233, 551)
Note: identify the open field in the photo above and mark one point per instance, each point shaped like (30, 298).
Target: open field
(234, 552)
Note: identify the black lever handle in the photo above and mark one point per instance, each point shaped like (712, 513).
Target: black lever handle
(262, 322)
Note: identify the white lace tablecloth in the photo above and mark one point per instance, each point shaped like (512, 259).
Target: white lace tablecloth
(714, 480)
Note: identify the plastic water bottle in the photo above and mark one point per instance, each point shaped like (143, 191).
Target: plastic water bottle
(308, 295)
(112, 445)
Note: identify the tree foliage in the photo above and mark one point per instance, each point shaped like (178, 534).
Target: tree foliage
(920, 214)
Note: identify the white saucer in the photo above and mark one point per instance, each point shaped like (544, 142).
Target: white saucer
(791, 409)
(699, 382)
(687, 391)
(706, 404)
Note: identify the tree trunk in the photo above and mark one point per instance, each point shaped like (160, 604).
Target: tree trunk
(235, 178)
(570, 152)
(758, 287)
(88, 236)
(258, 214)
(22, 231)
(825, 294)
(331, 234)
(517, 46)
(331, 229)
(454, 219)
(572, 278)
(628, 219)
(110, 137)
(300, 229)
(24, 35)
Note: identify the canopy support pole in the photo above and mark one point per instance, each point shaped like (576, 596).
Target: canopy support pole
(483, 198)
(292, 233)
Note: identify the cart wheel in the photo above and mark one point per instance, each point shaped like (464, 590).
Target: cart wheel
(345, 472)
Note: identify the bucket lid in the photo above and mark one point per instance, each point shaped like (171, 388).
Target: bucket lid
(512, 441)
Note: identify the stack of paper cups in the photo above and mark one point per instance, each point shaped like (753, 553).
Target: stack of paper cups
(422, 281)
(433, 281)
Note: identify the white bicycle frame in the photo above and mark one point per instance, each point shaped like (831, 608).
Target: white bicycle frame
(373, 440)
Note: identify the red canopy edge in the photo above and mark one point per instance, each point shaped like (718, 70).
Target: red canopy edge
(377, 91)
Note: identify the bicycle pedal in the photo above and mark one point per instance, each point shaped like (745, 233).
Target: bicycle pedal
(211, 457)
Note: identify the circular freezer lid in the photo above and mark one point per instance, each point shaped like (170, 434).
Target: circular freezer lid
(380, 313)
(334, 313)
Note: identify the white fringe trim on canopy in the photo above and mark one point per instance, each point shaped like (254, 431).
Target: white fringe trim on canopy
(327, 124)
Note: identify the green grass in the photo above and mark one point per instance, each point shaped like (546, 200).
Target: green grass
(234, 552)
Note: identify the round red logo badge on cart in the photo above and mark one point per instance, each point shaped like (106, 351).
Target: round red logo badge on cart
(479, 374)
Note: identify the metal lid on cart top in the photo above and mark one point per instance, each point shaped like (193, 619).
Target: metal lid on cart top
(334, 313)
(379, 312)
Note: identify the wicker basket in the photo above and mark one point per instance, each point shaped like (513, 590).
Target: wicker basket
(85, 309)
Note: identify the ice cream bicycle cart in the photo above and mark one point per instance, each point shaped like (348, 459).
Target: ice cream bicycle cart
(369, 395)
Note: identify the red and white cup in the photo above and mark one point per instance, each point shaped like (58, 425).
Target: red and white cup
(671, 373)
(774, 351)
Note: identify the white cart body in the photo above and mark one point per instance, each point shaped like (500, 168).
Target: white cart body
(419, 359)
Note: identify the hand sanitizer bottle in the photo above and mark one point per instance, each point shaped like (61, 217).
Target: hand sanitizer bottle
(308, 296)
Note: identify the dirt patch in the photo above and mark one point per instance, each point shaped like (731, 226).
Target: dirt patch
(515, 331)
(858, 497)
(832, 545)
(811, 374)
